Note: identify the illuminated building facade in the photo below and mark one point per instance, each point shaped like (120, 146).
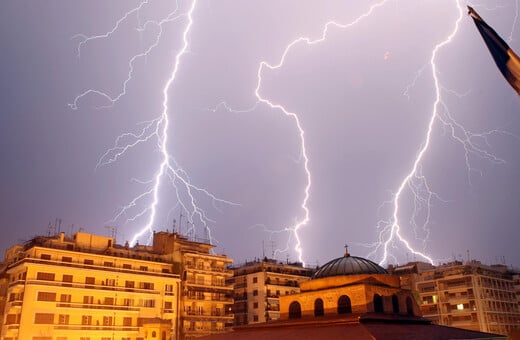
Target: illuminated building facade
(88, 288)
(258, 286)
(350, 298)
(470, 296)
(206, 300)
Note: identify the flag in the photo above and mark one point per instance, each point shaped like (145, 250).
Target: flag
(506, 60)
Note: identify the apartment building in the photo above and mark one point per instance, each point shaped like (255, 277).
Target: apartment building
(471, 296)
(206, 299)
(259, 284)
(86, 287)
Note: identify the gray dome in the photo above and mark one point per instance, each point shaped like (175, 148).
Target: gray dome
(348, 265)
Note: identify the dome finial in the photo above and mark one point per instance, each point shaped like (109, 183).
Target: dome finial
(346, 250)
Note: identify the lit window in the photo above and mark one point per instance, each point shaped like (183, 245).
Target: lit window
(460, 306)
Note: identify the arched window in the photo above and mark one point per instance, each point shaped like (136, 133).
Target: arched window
(378, 303)
(295, 310)
(409, 306)
(344, 305)
(395, 304)
(154, 334)
(163, 336)
(318, 307)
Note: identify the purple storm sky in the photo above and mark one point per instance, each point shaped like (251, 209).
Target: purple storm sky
(364, 97)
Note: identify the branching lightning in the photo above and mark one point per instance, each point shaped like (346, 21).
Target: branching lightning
(156, 130)
(414, 181)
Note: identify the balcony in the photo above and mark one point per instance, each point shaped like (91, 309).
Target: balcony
(98, 328)
(196, 315)
(208, 269)
(209, 297)
(96, 306)
(92, 286)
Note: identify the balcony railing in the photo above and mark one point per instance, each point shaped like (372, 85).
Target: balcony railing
(98, 328)
(92, 286)
(96, 306)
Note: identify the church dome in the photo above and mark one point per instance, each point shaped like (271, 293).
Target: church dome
(348, 265)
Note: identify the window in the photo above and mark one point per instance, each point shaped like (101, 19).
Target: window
(88, 300)
(127, 321)
(110, 282)
(46, 296)
(45, 276)
(378, 303)
(255, 292)
(168, 289)
(108, 264)
(11, 319)
(66, 259)
(318, 308)
(67, 278)
(344, 305)
(86, 320)
(42, 338)
(90, 281)
(395, 304)
(65, 297)
(146, 285)
(44, 318)
(295, 310)
(128, 302)
(88, 262)
(255, 318)
(63, 319)
(129, 284)
(108, 301)
(168, 307)
(255, 279)
(148, 303)
(143, 268)
(255, 305)
(127, 266)
(409, 306)
(45, 256)
(107, 321)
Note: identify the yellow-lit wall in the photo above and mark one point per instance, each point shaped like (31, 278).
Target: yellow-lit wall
(106, 307)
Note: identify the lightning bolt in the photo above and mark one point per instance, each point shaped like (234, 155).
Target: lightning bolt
(168, 170)
(414, 180)
(156, 130)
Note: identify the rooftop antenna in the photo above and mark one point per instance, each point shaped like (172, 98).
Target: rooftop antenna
(346, 250)
(113, 231)
(173, 225)
(272, 249)
(57, 225)
(180, 223)
(263, 249)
